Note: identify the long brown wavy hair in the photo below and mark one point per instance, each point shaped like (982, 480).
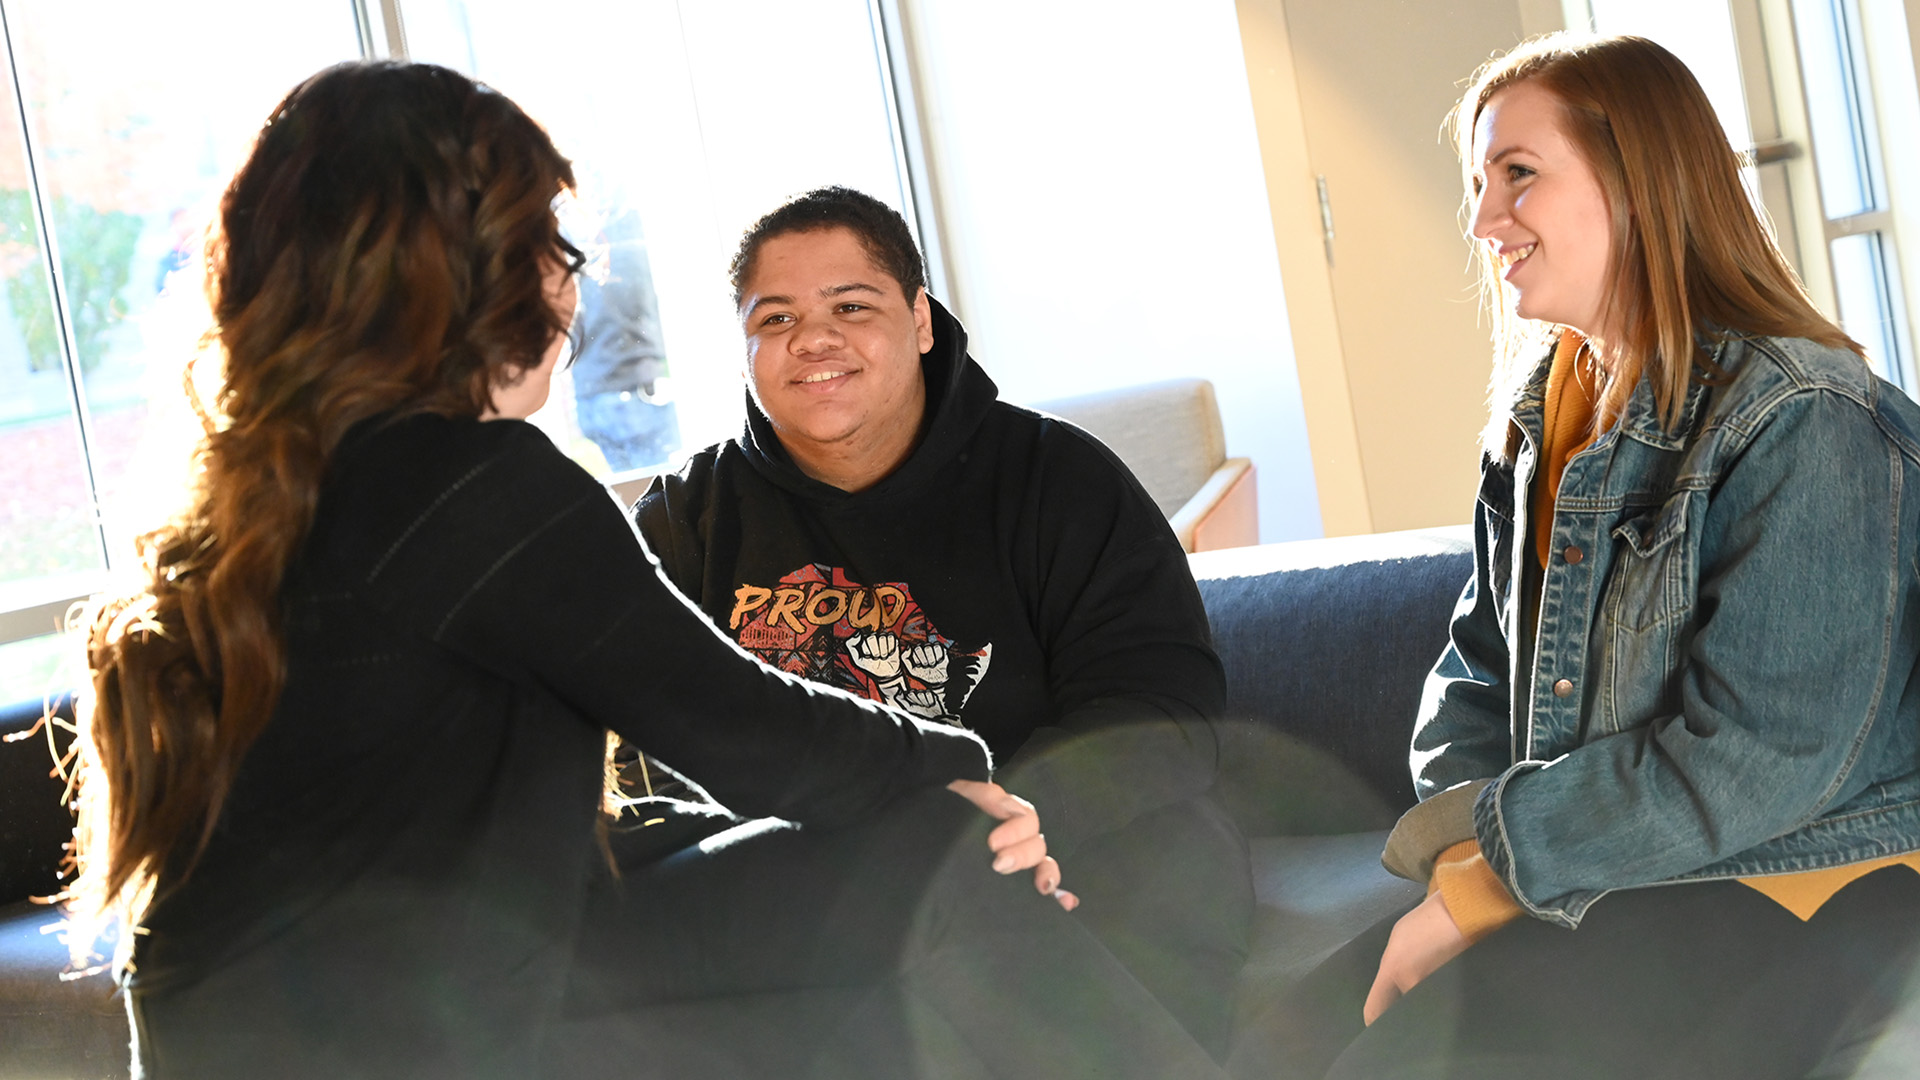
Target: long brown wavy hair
(1691, 257)
(381, 252)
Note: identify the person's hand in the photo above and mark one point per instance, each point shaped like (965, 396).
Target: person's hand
(1017, 842)
(1423, 940)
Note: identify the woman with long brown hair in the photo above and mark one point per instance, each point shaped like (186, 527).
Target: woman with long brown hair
(1686, 658)
(344, 752)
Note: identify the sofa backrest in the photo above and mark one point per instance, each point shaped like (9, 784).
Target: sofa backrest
(34, 827)
(1327, 644)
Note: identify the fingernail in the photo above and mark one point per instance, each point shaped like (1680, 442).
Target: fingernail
(1003, 864)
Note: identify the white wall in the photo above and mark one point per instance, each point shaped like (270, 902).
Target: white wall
(1105, 213)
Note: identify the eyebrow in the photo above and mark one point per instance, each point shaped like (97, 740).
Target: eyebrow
(1516, 149)
(829, 291)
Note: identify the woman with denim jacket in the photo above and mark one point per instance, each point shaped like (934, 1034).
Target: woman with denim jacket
(1669, 762)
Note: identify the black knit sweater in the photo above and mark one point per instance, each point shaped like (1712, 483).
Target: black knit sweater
(397, 875)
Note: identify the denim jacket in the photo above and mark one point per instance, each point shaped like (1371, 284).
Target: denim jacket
(1722, 681)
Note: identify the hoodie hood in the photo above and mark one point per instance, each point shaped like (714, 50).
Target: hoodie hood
(959, 393)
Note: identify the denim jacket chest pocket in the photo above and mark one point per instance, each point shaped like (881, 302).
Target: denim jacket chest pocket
(1645, 613)
(1495, 506)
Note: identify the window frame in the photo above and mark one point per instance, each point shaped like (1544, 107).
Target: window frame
(1788, 177)
(40, 617)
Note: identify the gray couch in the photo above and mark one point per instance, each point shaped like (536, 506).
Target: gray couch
(1325, 644)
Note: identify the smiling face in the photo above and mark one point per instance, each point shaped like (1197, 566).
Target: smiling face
(833, 355)
(1542, 210)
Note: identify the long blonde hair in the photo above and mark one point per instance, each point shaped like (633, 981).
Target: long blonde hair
(380, 253)
(1690, 255)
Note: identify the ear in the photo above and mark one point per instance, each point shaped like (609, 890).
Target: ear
(923, 320)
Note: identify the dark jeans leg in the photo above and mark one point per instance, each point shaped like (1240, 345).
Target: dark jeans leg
(1301, 1035)
(1697, 981)
(1171, 896)
(900, 935)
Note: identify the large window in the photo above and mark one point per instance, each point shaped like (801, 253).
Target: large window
(1823, 92)
(1853, 214)
(685, 123)
(112, 153)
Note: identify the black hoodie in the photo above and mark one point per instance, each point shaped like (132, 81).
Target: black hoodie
(1011, 576)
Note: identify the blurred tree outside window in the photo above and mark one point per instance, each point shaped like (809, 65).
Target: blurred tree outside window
(125, 153)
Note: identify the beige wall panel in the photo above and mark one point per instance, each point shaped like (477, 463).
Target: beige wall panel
(1375, 80)
(1297, 236)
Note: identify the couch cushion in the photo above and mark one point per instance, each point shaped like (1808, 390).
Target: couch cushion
(48, 1026)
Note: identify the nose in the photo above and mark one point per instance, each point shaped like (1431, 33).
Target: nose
(816, 336)
(1490, 214)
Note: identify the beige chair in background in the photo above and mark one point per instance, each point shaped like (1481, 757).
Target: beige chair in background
(1169, 434)
(627, 487)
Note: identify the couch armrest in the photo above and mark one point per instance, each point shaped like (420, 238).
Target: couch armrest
(1224, 513)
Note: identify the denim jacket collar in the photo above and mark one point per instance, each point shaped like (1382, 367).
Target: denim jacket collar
(1642, 418)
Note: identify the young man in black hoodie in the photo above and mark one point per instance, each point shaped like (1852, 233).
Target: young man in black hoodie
(886, 526)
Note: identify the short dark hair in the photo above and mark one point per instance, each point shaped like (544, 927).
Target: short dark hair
(879, 227)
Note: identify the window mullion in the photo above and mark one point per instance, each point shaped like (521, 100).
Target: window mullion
(382, 32)
(1880, 221)
(1804, 203)
(894, 49)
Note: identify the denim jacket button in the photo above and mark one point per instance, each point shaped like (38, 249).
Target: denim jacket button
(1573, 555)
(1563, 688)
